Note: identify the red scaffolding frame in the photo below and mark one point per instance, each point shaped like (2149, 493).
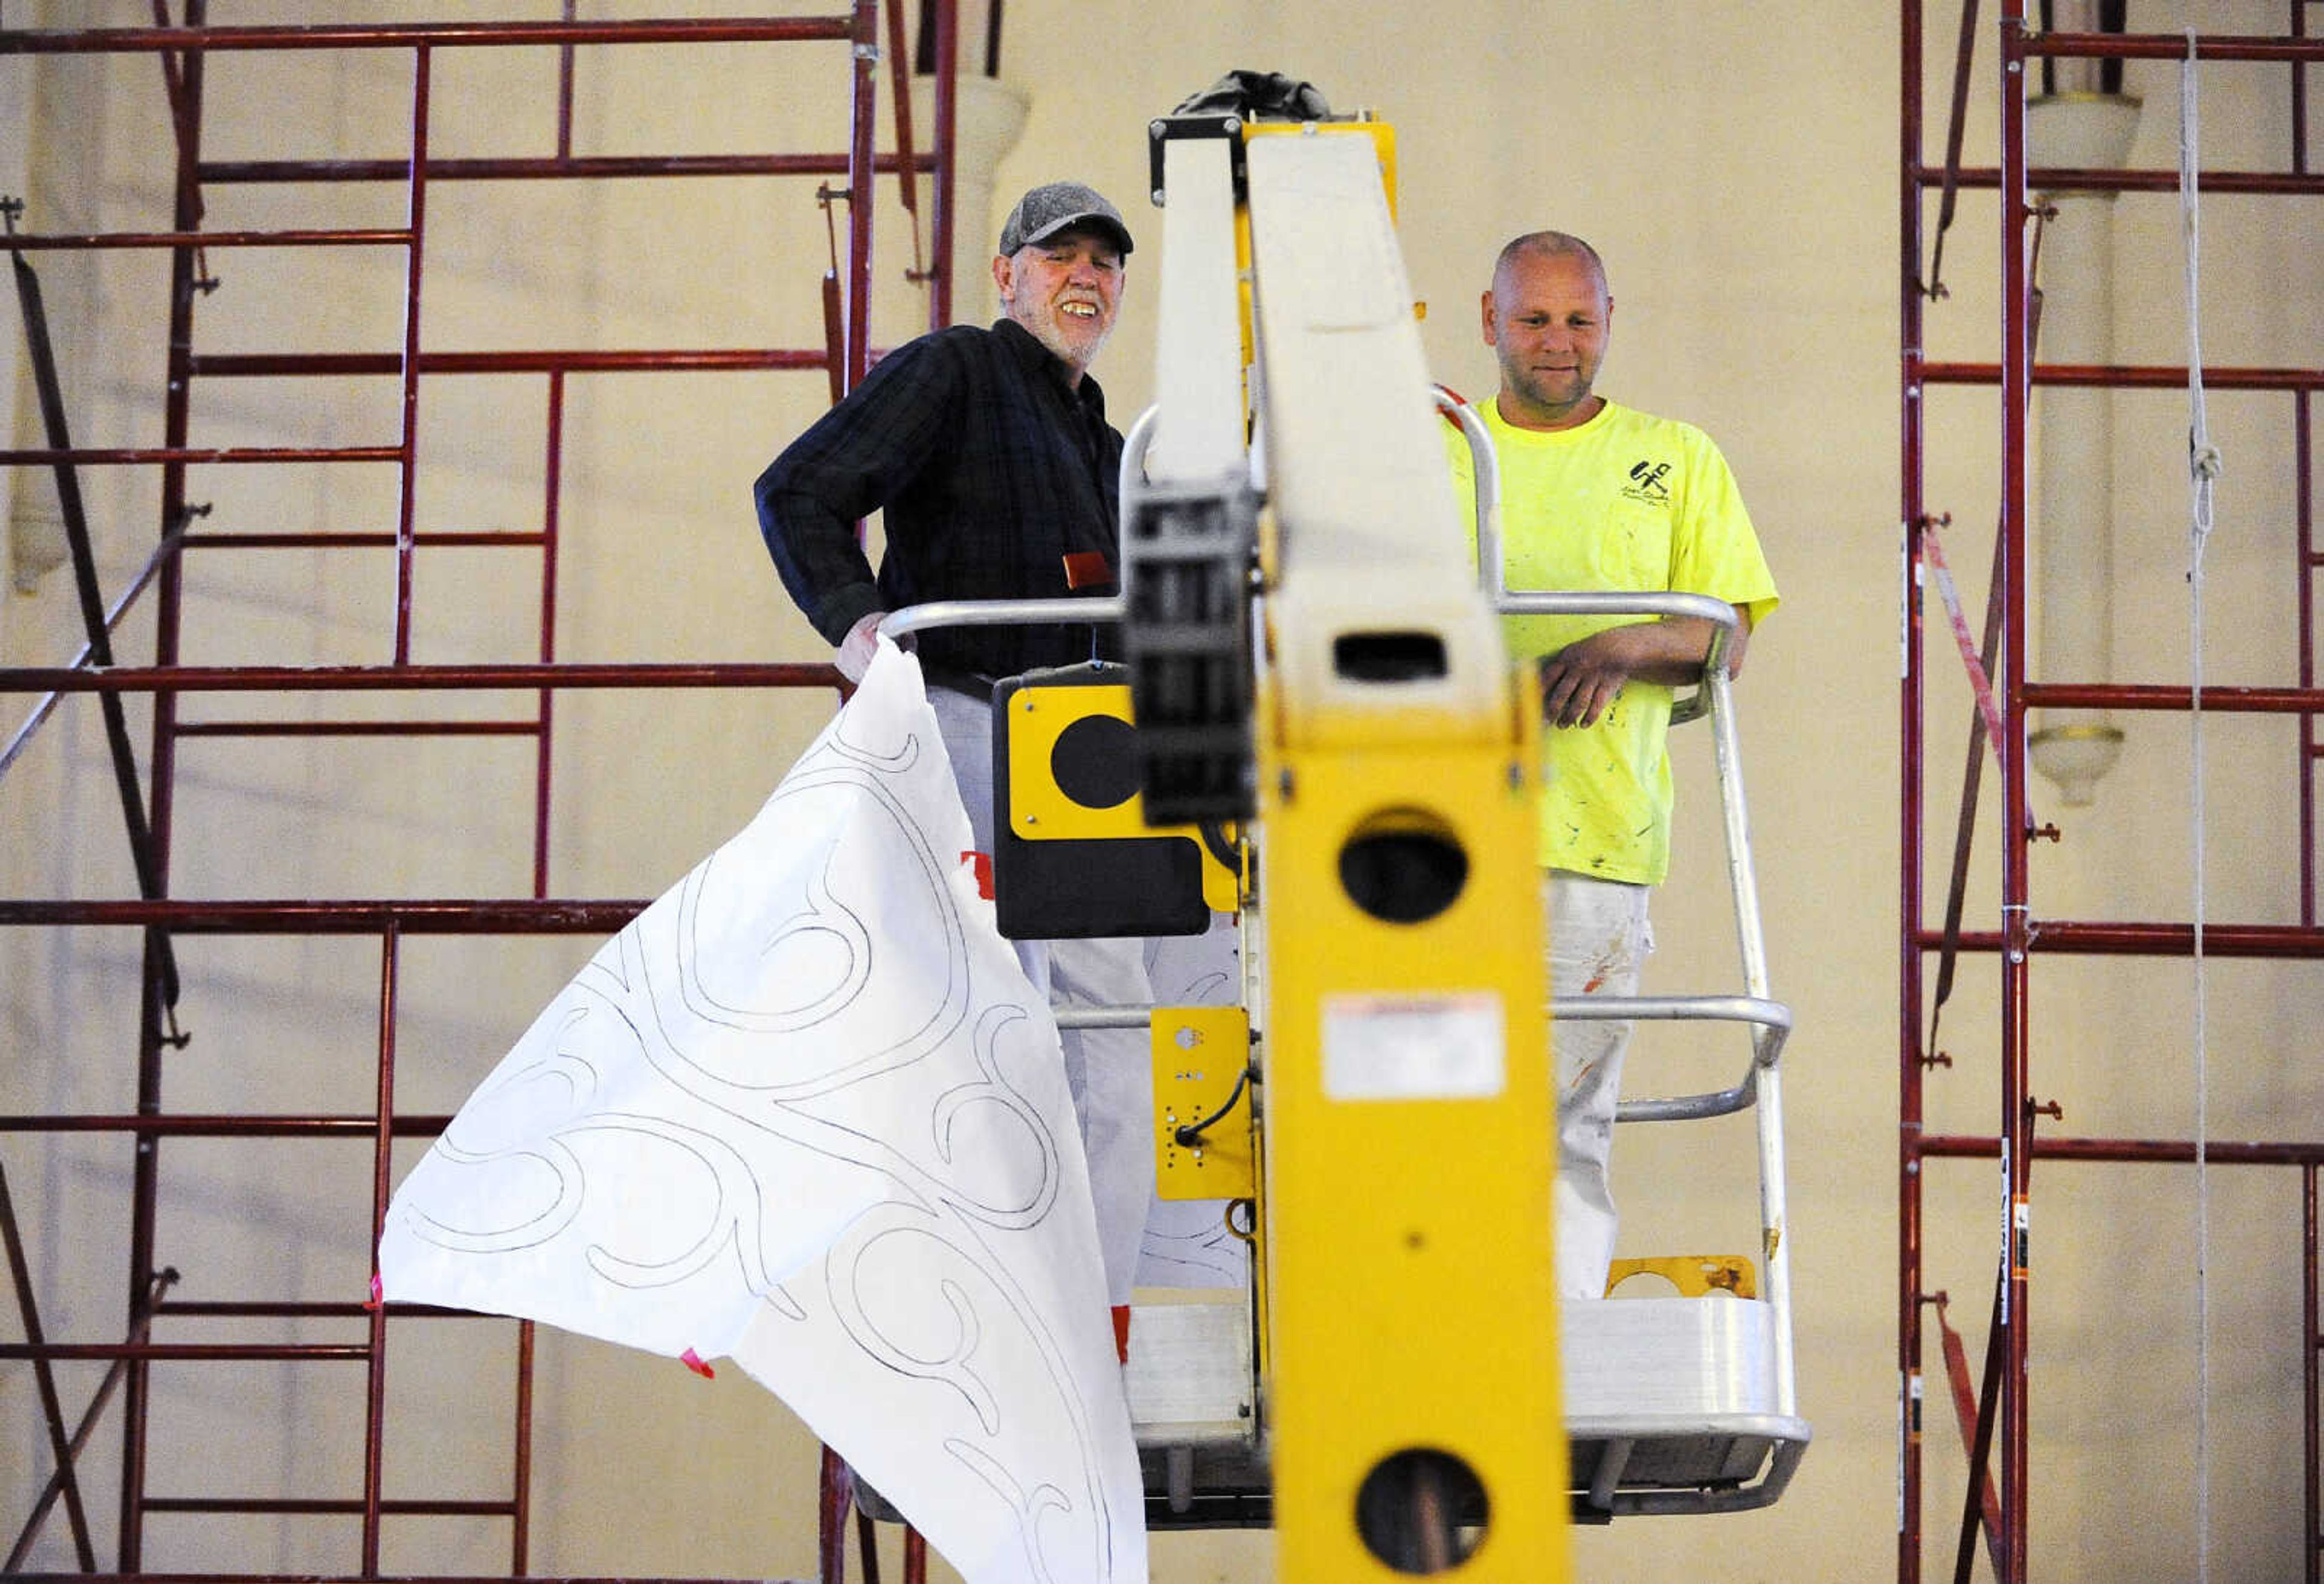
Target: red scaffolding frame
(1994, 1410)
(182, 50)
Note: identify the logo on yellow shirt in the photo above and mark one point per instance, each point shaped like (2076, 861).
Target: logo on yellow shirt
(1646, 483)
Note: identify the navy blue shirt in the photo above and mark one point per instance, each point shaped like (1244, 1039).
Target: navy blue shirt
(992, 469)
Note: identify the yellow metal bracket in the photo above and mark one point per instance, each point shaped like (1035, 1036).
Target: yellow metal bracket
(1695, 1275)
(1201, 1054)
(1042, 810)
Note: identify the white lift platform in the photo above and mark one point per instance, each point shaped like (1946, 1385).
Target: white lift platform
(1673, 1406)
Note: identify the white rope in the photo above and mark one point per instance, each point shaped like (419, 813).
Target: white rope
(2203, 469)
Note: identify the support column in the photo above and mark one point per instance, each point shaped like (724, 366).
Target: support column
(988, 117)
(2074, 429)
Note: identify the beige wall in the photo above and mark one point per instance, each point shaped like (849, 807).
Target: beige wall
(1736, 166)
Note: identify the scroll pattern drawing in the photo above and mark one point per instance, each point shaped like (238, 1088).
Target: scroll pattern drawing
(807, 1113)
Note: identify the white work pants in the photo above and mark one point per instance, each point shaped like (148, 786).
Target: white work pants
(1107, 1069)
(1599, 940)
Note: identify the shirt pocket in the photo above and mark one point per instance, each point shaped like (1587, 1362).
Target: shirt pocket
(1634, 547)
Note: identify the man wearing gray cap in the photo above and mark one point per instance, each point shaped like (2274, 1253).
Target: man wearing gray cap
(988, 449)
(989, 452)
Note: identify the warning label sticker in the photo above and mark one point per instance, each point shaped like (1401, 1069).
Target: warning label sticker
(1442, 1047)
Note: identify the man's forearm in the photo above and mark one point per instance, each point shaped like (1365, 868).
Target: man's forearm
(1581, 682)
(1671, 651)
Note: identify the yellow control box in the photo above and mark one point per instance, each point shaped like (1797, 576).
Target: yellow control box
(1201, 1058)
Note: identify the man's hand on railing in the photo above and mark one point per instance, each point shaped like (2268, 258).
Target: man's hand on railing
(1581, 681)
(862, 642)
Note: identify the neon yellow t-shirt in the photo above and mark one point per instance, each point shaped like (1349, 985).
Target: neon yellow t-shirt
(1625, 502)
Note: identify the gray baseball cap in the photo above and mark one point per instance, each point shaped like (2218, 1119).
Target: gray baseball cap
(1059, 205)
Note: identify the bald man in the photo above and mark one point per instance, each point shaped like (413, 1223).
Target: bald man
(1599, 496)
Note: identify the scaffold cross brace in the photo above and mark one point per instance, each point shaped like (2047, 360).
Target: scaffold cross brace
(1979, 682)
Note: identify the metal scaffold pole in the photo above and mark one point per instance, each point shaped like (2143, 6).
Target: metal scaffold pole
(289, 698)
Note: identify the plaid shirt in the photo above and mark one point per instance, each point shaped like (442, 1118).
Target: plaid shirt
(990, 470)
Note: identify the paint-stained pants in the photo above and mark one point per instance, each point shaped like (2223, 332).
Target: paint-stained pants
(1599, 940)
(1107, 1069)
